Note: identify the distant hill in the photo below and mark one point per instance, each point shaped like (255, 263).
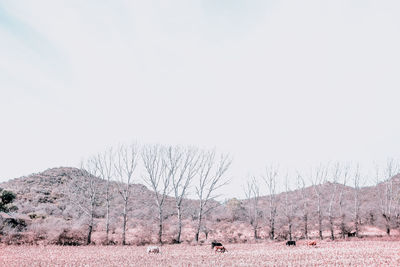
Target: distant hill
(44, 204)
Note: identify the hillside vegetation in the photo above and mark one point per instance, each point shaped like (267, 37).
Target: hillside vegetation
(50, 216)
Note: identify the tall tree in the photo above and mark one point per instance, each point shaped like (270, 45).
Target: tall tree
(182, 164)
(345, 177)
(333, 194)
(288, 209)
(301, 185)
(211, 177)
(105, 169)
(85, 193)
(252, 193)
(158, 177)
(318, 178)
(125, 166)
(386, 191)
(271, 173)
(356, 180)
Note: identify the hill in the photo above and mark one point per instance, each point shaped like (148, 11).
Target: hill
(49, 216)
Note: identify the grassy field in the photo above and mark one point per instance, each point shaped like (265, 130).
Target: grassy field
(349, 253)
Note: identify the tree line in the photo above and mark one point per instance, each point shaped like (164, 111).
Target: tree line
(166, 170)
(171, 171)
(339, 175)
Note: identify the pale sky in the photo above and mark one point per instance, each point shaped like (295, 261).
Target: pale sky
(290, 82)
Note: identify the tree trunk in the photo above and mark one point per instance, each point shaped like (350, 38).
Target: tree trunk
(124, 218)
(255, 232)
(271, 220)
(320, 225)
(305, 218)
(387, 225)
(107, 220)
(331, 227)
(89, 236)
(290, 231)
(178, 239)
(272, 228)
(198, 225)
(343, 227)
(356, 225)
(160, 225)
(319, 217)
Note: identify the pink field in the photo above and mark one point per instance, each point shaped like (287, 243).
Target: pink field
(354, 253)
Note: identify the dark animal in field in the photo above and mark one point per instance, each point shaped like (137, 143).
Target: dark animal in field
(214, 243)
(351, 234)
(291, 243)
(221, 249)
(312, 243)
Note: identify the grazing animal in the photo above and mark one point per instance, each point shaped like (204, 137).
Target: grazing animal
(351, 234)
(153, 249)
(312, 243)
(221, 249)
(291, 243)
(215, 243)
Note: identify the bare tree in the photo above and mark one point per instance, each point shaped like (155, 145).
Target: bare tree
(158, 177)
(84, 193)
(270, 180)
(182, 164)
(104, 165)
(396, 215)
(356, 180)
(302, 186)
(345, 175)
(289, 209)
(333, 194)
(125, 166)
(318, 177)
(210, 179)
(252, 193)
(386, 191)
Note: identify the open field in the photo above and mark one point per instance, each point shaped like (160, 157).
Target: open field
(350, 253)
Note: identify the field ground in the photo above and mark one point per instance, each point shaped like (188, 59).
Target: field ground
(347, 253)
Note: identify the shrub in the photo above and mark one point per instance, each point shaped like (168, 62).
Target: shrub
(6, 197)
(20, 238)
(71, 238)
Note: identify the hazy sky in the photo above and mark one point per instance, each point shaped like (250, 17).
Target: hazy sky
(293, 82)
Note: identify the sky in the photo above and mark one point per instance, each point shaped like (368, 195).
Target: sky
(295, 83)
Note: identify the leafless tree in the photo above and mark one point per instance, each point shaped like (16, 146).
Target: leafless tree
(345, 176)
(104, 165)
(396, 214)
(318, 177)
(289, 209)
(356, 180)
(158, 177)
(211, 177)
(252, 193)
(302, 186)
(333, 194)
(386, 190)
(84, 193)
(125, 166)
(182, 164)
(271, 173)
